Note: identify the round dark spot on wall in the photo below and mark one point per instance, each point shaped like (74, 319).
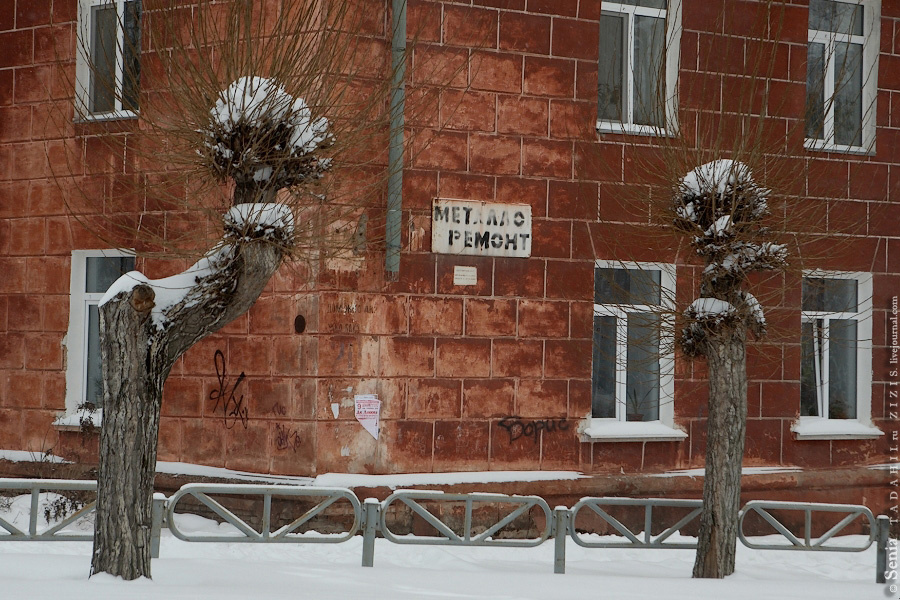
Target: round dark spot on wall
(299, 324)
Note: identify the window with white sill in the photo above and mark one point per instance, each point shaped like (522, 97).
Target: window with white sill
(108, 69)
(836, 356)
(93, 271)
(841, 74)
(632, 363)
(638, 66)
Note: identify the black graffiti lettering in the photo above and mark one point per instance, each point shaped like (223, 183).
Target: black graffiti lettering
(285, 438)
(233, 409)
(517, 428)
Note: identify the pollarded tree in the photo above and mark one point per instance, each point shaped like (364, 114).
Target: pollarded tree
(264, 123)
(721, 209)
(264, 140)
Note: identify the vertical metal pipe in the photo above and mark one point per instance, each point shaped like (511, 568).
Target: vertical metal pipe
(159, 505)
(561, 516)
(372, 515)
(395, 149)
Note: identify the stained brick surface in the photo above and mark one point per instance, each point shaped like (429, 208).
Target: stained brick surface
(511, 86)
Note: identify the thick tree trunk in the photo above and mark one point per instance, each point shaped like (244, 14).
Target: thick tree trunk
(726, 428)
(128, 440)
(137, 355)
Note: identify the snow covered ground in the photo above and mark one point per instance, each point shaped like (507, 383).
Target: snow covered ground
(217, 571)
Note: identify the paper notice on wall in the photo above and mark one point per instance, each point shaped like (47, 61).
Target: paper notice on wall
(368, 410)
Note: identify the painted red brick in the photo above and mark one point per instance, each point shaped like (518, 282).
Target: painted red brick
(463, 358)
(400, 356)
(542, 398)
(468, 110)
(490, 317)
(567, 358)
(495, 154)
(470, 27)
(549, 77)
(516, 358)
(461, 445)
(408, 446)
(551, 239)
(488, 398)
(466, 187)
(435, 316)
(543, 319)
(519, 278)
(522, 115)
(434, 399)
(548, 158)
(525, 33)
(496, 71)
(575, 39)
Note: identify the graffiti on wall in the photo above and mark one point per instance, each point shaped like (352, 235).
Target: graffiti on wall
(226, 398)
(518, 428)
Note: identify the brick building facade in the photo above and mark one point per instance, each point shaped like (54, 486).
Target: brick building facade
(496, 373)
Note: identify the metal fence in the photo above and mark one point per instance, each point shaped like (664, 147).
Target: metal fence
(452, 518)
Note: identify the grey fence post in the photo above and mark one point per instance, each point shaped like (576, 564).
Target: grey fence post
(159, 507)
(372, 516)
(882, 537)
(561, 517)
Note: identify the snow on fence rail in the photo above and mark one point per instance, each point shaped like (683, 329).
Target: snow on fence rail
(371, 517)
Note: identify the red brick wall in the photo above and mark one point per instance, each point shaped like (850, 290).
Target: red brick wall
(448, 362)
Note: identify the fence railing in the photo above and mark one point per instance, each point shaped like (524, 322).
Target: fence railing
(56, 532)
(436, 508)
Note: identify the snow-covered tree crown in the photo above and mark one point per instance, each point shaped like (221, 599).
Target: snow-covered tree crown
(257, 132)
(722, 208)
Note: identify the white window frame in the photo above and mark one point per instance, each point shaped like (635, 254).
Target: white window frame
(870, 41)
(76, 340)
(83, 64)
(672, 49)
(823, 427)
(618, 429)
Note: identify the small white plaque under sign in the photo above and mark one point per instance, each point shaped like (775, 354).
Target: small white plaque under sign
(465, 275)
(480, 228)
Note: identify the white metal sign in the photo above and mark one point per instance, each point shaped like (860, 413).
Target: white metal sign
(480, 228)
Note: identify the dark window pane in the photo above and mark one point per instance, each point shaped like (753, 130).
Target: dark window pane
(131, 52)
(815, 91)
(842, 369)
(832, 295)
(610, 68)
(649, 79)
(627, 286)
(809, 391)
(103, 58)
(837, 17)
(848, 83)
(102, 271)
(603, 397)
(642, 379)
(93, 375)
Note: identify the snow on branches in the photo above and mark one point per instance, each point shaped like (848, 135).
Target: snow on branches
(722, 208)
(258, 133)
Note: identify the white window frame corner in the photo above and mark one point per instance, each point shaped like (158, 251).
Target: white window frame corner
(76, 335)
(83, 111)
(871, 51)
(672, 71)
(604, 429)
(861, 427)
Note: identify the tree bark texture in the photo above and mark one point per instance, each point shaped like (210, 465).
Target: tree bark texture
(726, 428)
(137, 356)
